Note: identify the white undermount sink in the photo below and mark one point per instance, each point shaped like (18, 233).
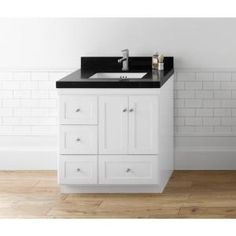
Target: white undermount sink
(115, 75)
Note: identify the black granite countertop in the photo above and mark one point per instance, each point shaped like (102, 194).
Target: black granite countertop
(92, 65)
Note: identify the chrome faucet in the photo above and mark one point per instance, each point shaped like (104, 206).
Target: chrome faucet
(124, 60)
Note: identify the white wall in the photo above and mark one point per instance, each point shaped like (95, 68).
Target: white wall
(197, 43)
(34, 53)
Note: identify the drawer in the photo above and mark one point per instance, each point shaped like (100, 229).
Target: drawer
(78, 169)
(76, 139)
(128, 170)
(78, 109)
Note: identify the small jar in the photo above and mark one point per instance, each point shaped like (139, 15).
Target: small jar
(155, 61)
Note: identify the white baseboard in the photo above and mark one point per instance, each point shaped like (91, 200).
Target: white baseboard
(205, 153)
(28, 153)
(191, 153)
(202, 159)
(36, 159)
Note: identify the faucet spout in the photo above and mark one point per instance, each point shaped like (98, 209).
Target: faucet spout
(121, 59)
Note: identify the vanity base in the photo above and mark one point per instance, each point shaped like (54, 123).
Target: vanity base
(116, 188)
(110, 189)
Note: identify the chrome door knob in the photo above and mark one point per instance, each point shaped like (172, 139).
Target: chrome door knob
(124, 110)
(131, 110)
(78, 169)
(128, 170)
(78, 110)
(78, 139)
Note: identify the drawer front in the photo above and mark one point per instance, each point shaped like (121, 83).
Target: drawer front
(128, 170)
(78, 109)
(76, 139)
(78, 170)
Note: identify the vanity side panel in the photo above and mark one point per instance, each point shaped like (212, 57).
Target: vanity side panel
(166, 132)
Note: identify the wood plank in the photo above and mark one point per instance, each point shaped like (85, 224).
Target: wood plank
(189, 194)
(207, 212)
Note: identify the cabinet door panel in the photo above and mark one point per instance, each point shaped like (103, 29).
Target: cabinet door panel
(143, 124)
(78, 139)
(78, 169)
(78, 109)
(128, 169)
(113, 124)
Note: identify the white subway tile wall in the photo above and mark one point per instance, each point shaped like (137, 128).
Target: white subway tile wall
(28, 102)
(205, 103)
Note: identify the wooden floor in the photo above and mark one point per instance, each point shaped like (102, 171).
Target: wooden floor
(189, 194)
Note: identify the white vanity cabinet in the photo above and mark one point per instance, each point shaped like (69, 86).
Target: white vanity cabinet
(115, 140)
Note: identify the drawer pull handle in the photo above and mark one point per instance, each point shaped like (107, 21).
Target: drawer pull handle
(78, 169)
(78, 110)
(131, 110)
(78, 139)
(128, 170)
(124, 110)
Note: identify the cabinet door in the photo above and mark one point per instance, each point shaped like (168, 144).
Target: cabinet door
(143, 124)
(113, 124)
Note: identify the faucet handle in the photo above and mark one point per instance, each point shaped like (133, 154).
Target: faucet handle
(125, 52)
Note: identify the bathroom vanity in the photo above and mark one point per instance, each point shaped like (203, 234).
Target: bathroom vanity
(116, 127)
